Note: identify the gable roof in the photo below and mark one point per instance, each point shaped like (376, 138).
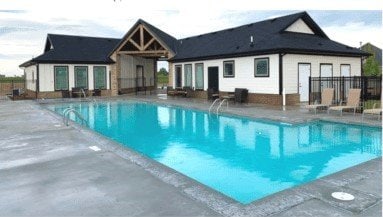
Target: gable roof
(269, 36)
(75, 49)
(162, 36)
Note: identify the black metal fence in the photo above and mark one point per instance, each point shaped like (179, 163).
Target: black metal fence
(371, 88)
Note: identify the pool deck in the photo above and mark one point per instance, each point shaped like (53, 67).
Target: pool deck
(47, 169)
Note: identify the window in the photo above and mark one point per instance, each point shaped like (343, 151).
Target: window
(199, 76)
(325, 70)
(228, 69)
(345, 70)
(61, 78)
(188, 75)
(81, 76)
(261, 67)
(178, 76)
(99, 77)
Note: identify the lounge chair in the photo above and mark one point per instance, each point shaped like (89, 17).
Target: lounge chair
(327, 98)
(373, 111)
(353, 101)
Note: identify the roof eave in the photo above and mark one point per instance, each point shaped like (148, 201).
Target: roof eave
(270, 51)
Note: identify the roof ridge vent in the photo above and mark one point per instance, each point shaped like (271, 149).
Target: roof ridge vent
(230, 29)
(250, 25)
(272, 20)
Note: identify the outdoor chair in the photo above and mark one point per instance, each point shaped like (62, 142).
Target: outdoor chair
(212, 94)
(353, 101)
(97, 92)
(65, 94)
(373, 111)
(240, 95)
(326, 100)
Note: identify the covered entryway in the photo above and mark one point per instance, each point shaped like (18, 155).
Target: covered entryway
(136, 58)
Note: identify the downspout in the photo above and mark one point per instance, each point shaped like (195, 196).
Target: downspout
(281, 73)
(37, 80)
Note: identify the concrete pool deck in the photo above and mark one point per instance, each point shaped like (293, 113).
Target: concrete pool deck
(47, 169)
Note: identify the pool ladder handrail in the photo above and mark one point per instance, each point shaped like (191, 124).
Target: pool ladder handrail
(66, 113)
(220, 105)
(221, 102)
(212, 105)
(83, 92)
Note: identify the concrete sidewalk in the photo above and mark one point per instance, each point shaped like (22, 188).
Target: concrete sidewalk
(47, 169)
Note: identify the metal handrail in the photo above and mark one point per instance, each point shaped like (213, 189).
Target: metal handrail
(212, 105)
(220, 105)
(66, 113)
(83, 92)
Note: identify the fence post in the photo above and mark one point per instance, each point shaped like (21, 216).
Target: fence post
(310, 90)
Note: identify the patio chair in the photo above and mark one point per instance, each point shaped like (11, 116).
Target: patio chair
(353, 101)
(212, 94)
(373, 111)
(96, 92)
(65, 94)
(240, 95)
(327, 98)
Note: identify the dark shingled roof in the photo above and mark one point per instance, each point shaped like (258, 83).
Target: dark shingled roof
(76, 49)
(269, 36)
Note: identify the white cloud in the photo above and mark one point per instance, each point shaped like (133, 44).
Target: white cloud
(355, 32)
(25, 23)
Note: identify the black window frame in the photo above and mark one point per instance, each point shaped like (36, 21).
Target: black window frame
(54, 76)
(324, 64)
(268, 67)
(195, 76)
(94, 80)
(75, 76)
(191, 73)
(340, 69)
(223, 71)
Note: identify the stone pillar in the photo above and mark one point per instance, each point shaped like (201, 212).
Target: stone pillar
(171, 71)
(114, 71)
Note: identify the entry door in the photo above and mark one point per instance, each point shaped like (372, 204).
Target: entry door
(345, 70)
(326, 71)
(178, 76)
(213, 78)
(140, 76)
(304, 71)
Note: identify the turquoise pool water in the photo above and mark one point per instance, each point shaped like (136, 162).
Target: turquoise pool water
(242, 158)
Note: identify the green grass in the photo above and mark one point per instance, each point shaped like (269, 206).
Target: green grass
(370, 103)
(162, 79)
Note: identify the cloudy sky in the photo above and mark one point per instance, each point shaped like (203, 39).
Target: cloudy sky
(25, 23)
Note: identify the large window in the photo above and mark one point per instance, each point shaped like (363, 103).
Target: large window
(261, 67)
(325, 70)
(61, 78)
(178, 76)
(81, 76)
(99, 76)
(199, 76)
(228, 69)
(188, 75)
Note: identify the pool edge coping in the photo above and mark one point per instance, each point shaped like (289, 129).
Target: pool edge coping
(218, 202)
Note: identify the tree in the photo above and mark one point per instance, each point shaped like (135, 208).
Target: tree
(371, 66)
(163, 71)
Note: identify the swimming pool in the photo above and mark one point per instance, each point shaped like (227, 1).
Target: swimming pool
(242, 158)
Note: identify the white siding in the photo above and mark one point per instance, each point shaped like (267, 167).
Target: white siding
(299, 26)
(46, 73)
(290, 67)
(30, 76)
(244, 74)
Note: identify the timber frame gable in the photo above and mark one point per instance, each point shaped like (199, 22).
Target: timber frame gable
(141, 40)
